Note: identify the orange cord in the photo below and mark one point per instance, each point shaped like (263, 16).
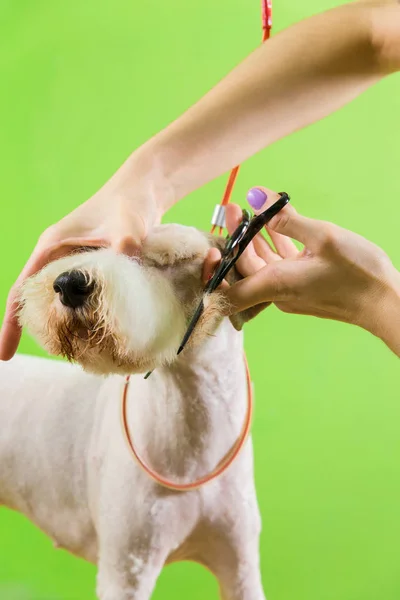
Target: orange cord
(232, 454)
(221, 467)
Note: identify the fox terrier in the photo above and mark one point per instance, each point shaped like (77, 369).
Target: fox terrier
(64, 462)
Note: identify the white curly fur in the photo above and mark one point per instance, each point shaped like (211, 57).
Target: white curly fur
(136, 318)
(63, 458)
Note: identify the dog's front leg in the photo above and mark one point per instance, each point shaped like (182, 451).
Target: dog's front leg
(232, 551)
(243, 582)
(132, 552)
(237, 569)
(132, 577)
(134, 543)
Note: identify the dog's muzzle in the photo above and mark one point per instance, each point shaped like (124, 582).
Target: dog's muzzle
(73, 288)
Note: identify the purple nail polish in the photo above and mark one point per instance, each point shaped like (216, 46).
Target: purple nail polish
(256, 198)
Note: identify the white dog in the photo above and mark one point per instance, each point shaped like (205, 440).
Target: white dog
(64, 461)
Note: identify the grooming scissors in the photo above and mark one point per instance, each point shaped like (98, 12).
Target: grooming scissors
(234, 248)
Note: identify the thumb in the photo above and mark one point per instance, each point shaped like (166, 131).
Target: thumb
(125, 244)
(127, 238)
(287, 222)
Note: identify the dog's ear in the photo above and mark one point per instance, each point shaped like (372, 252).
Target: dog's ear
(238, 319)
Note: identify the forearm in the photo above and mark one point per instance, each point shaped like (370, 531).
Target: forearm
(298, 77)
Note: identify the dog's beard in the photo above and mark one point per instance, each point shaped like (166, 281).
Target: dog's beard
(81, 333)
(77, 335)
(91, 343)
(83, 336)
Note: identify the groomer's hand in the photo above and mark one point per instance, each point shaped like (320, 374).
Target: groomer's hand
(118, 216)
(336, 275)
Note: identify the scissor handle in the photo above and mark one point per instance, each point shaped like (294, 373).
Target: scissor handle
(241, 238)
(259, 221)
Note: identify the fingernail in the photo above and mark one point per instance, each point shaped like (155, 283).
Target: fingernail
(256, 198)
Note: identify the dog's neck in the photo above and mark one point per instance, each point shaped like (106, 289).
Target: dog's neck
(196, 407)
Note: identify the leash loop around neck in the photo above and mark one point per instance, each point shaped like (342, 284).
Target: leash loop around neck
(221, 467)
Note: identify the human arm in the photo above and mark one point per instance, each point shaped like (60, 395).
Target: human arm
(299, 76)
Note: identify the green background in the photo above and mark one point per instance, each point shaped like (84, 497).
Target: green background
(85, 82)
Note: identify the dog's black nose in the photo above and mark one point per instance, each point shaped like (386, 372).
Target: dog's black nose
(73, 288)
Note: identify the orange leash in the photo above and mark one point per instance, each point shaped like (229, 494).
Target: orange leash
(218, 220)
(221, 467)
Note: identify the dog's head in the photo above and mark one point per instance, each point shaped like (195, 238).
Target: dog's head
(114, 314)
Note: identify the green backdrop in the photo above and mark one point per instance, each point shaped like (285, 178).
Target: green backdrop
(82, 84)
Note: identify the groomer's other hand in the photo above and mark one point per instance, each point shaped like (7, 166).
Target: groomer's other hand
(117, 216)
(336, 275)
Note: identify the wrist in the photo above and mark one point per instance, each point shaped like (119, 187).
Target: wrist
(384, 314)
(143, 179)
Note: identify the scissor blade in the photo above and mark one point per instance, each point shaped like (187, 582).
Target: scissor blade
(192, 325)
